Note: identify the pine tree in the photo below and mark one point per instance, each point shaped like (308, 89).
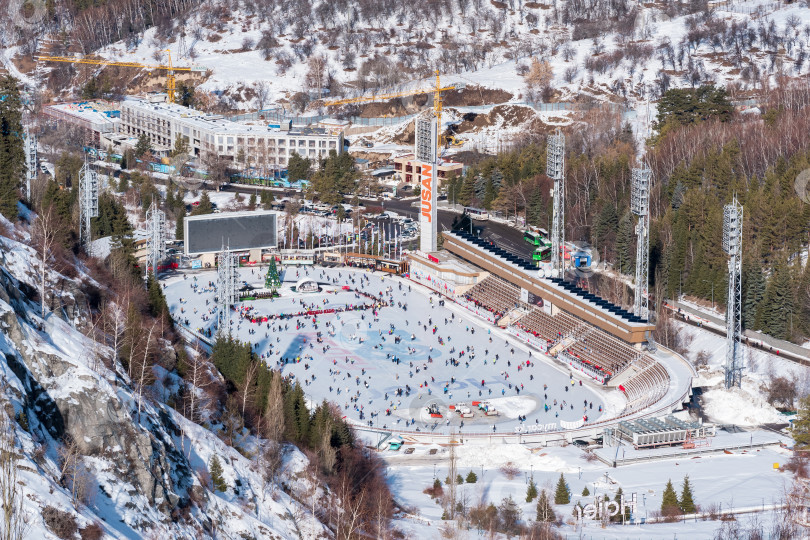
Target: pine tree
(619, 518)
(205, 206)
(754, 293)
(585, 491)
(687, 504)
(510, 515)
(678, 195)
(215, 469)
(801, 425)
(179, 231)
(157, 301)
(252, 201)
(472, 478)
(545, 513)
(180, 146)
(459, 479)
(606, 224)
(480, 187)
(272, 281)
(531, 491)
(143, 145)
(12, 147)
(777, 305)
(467, 192)
(625, 245)
(266, 198)
(669, 503)
(562, 495)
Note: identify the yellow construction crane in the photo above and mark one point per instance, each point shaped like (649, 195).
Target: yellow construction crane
(99, 62)
(437, 101)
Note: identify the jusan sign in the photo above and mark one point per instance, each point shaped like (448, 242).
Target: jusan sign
(605, 508)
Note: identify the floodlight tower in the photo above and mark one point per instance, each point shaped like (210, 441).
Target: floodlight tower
(555, 169)
(640, 206)
(226, 287)
(155, 238)
(732, 245)
(30, 161)
(88, 201)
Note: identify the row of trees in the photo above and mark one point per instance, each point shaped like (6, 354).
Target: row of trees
(701, 155)
(260, 399)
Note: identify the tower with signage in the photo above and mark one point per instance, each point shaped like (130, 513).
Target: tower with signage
(427, 155)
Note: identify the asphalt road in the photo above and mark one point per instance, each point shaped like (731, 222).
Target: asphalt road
(506, 237)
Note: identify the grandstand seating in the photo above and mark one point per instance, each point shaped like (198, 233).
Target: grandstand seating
(648, 385)
(605, 351)
(494, 294)
(596, 350)
(548, 327)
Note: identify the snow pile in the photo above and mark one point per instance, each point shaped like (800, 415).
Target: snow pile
(740, 407)
(514, 406)
(493, 456)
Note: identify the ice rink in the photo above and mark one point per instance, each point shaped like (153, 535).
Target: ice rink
(384, 365)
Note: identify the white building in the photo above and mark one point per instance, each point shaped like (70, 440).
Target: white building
(254, 145)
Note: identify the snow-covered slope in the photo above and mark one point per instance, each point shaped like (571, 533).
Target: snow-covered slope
(80, 444)
(651, 47)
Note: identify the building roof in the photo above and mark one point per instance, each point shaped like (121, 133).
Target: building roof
(215, 122)
(98, 113)
(443, 162)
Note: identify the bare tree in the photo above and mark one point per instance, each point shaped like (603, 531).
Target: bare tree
(451, 480)
(197, 378)
(73, 474)
(14, 525)
(145, 369)
(46, 228)
(274, 410)
(114, 314)
(262, 93)
(248, 389)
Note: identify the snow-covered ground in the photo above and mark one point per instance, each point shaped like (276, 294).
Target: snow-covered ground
(68, 370)
(748, 405)
(354, 363)
(741, 480)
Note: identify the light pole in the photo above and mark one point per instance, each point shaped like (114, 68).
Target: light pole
(712, 282)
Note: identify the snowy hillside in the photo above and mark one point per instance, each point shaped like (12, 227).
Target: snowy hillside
(93, 449)
(617, 52)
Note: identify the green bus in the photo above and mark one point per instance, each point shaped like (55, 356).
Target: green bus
(542, 254)
(536, 238)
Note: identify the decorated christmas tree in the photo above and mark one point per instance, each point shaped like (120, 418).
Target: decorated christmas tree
(272, 281)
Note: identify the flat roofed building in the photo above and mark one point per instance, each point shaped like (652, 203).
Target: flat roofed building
(249, 145)
(92, 118)
(409, 170)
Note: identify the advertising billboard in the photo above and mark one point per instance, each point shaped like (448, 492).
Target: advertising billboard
(238, 231)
